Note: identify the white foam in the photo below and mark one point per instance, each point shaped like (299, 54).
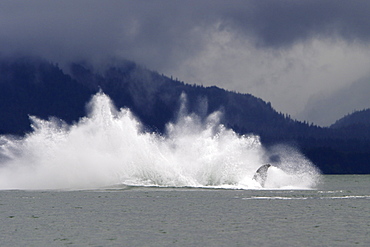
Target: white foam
(109, 147)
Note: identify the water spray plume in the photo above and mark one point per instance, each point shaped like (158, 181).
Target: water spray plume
(109, 147)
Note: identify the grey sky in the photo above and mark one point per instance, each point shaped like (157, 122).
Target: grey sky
(286, 52)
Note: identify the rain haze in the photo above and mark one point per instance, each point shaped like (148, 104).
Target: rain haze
(310, 59)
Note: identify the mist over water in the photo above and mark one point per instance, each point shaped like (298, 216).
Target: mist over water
(109, 148)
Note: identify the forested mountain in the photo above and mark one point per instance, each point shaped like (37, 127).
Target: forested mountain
(356, 124)
(32, 86)
(355, 119)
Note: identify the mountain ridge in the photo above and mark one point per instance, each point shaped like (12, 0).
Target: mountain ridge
(38, 87)
(361, 117)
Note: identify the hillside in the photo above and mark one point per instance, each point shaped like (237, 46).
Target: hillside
(356, 119)
(32, 86)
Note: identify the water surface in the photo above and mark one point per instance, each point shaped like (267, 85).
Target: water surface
(337, 213)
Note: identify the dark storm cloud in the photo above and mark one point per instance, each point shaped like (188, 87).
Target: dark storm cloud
(169, 30)
(57, 29)
(150, 31)
(263, 47)
(281, 23)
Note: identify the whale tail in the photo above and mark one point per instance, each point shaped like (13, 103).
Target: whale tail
(261, 174)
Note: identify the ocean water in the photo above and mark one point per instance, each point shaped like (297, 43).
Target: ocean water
(106, 181)
(336, 213)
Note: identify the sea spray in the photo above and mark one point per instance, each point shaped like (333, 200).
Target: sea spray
(110, 147)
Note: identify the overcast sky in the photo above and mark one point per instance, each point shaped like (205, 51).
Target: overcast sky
(298, 55)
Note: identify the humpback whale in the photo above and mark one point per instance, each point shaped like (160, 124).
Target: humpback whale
(261, 174)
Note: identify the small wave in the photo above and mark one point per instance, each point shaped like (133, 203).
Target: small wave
(330, 191)
(346, 197)
(305, 198)
(274, 198)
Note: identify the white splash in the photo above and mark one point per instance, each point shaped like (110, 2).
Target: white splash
(109, 147)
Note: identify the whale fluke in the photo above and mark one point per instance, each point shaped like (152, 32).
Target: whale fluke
(261, 174)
